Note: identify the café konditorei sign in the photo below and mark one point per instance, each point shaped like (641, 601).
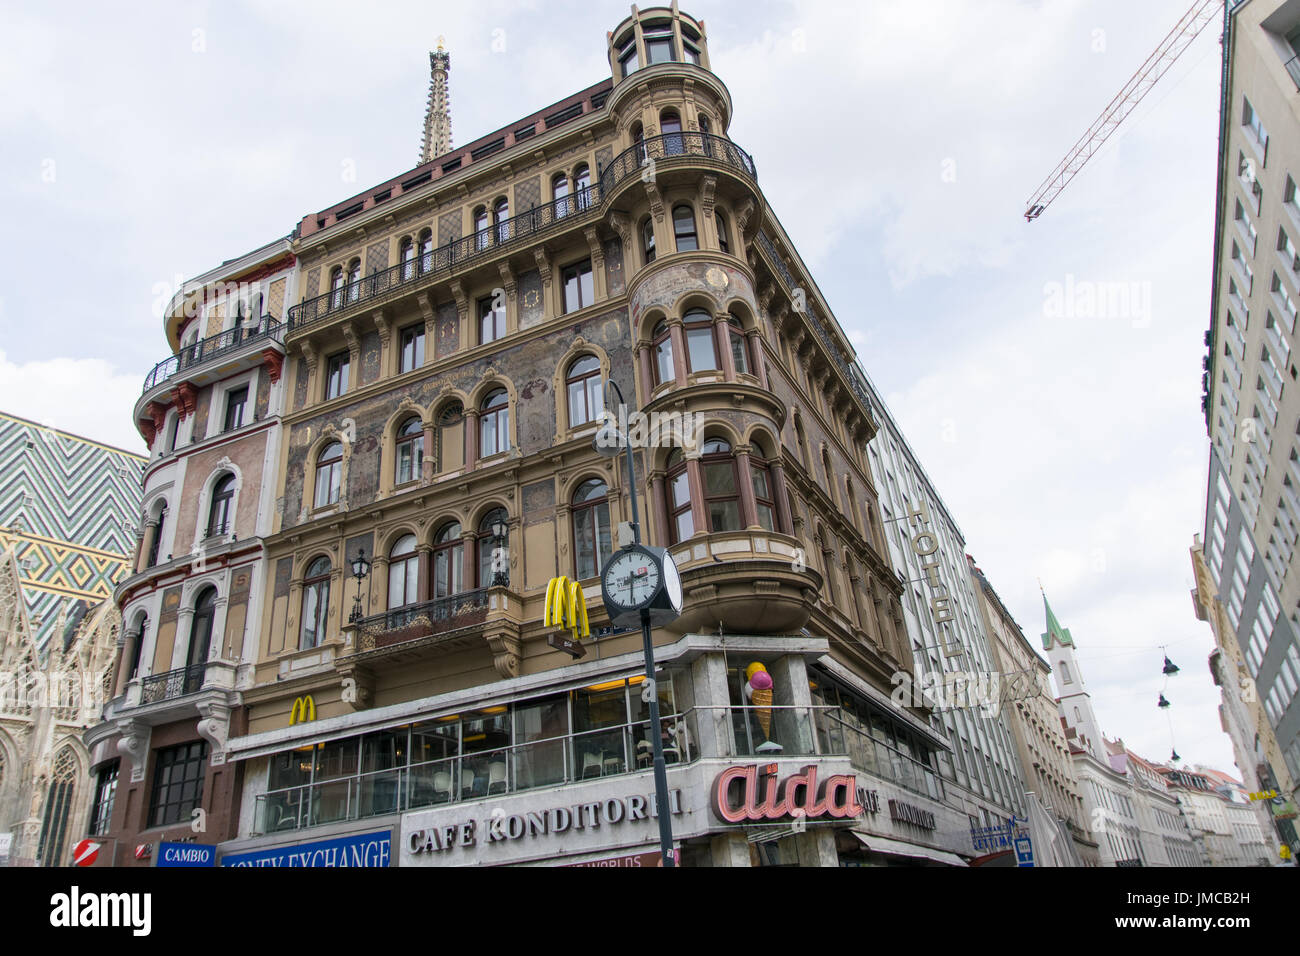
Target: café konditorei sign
(501, 827)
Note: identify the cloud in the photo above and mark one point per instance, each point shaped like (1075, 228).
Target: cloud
(87, 397)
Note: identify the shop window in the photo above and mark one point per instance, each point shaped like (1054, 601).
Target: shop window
(177, 784)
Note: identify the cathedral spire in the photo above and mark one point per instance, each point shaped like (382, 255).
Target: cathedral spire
(1055, 632)
(437, 118)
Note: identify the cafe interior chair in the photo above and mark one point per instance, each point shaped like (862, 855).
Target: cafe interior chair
(613, 764)
(497, 777)
(645, 753)
(467, 781)
(591, 764)
(441, 787)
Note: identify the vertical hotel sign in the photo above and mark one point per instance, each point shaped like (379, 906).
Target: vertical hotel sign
(925, 545)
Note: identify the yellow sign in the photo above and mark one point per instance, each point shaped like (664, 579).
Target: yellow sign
(1285, 852)
(566, 607)
(1265, 795)
(304, 709)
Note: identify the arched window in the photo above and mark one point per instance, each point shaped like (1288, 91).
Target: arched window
(648, 239)
(764, 495)
(426, 250)
(494, 424)
(354, 280)
(329, 474)
(739, 345)
(337, 281)
(584, 390)
(410, 450)
(684, 228)
(803, 445)
(582, 186)
(451, 437)
(677, 488)
(560, 190)
(220, 517)
(721, 221)
(403, 573)
(638, 139)
(156, 543)
(448, 561)
(670, 125)
(662, 343)
(488, 561)
(591, 541)
(721, 489)
(501, 213)
(315, 603)
(58, 806)
(830, 475)
(205, 609)
(701, 343)
(482, 235)
(406, 255)
(140, 632)
(852, 501)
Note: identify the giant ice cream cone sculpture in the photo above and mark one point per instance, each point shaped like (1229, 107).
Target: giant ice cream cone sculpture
(759, 688)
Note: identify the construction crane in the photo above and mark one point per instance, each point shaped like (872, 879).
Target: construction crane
(1148, 75)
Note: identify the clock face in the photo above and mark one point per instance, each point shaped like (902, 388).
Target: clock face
(631, 579)
(672, 582)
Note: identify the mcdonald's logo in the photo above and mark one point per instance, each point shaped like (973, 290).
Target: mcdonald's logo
(304, 709)
(566, 607)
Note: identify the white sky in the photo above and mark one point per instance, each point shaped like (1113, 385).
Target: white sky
(147, 145)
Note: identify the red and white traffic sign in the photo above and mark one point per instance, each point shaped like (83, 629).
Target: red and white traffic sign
(85, 853)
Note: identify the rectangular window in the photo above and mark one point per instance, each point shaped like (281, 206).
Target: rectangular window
(235, 402)
(336, 381)
(177, 783)
(579, 290)
(412, 348)
(101, 815)
(1251, 120)
(491, 320)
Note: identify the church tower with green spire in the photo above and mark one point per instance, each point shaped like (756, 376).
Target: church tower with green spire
(1072, 697)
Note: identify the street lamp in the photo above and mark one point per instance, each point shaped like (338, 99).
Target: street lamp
(500, 574)
(360, 568)
(607, 442)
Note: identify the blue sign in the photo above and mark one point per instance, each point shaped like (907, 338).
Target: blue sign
(366, 849)
(1024, 851)
(186, 854)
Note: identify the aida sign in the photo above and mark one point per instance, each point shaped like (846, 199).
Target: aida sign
(753, 793)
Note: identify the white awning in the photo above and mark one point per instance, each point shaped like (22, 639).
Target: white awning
(879, 844)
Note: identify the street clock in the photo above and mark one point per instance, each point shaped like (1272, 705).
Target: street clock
(641, 578)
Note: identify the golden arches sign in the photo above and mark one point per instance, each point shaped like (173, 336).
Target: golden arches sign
(566, 607)
(304, 710)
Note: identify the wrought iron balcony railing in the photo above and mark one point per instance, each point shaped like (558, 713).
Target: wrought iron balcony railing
(173, 684)
(420, 620)
(205, 349)
(485, 243)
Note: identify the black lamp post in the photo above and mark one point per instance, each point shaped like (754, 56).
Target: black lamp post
(500, 569)
(360, 568)
(607, 442)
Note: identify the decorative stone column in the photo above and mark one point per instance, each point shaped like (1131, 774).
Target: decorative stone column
(423, 586)
(722, 336)
(756, 357)
(745, 479)
(130, 641)
(699, 514)
(471, 438)
(293, 626)
(151, 529)
(658, 507)
(645, 383)
(184, 633)
(782, 497)
(426, 461)
(677, 334)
